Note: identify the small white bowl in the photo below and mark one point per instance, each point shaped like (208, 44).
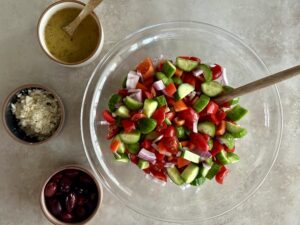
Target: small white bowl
(43, 21)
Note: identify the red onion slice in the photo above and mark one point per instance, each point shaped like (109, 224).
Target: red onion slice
(204, 154)
(197, 72)
(132, 80)
(195, 126)
(147, 155)
(137, 95)
(158, 139)
(159, 85)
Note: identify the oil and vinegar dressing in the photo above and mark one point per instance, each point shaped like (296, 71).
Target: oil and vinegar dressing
(71, 49)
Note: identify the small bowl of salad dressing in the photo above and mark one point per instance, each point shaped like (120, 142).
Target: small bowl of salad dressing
(80, 49)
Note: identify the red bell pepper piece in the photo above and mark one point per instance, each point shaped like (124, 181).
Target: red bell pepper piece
(212, 108)
(159, 175)
(217, 147)
(199, 141)
(128, 125)
(146, 144)
(221, 174)
(216, 71)
(170, 89)
(221, 128)
(108, 117)
(159, 115)
(115, 145)
(133, 158)
(181, 162)
(170, 115)
(190, 116)
(137, 116)
(169, 132)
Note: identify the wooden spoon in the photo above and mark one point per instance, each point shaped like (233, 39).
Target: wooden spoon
(258, 84)
(88, 8)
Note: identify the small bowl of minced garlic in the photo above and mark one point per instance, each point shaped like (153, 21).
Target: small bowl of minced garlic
(33, 114)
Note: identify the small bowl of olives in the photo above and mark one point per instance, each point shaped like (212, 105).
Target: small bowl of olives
(71, 195)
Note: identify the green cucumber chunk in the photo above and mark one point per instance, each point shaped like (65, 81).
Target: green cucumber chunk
(199, 180)
(213, 171)
(118, 121)
(143, 164)
(228, 140)
(123, 157)
(133, 148)
(203, 171)
(235, 130)
(210, 144)
(168, 121)
(174, 175)
(186, 64)
(206, 72)
(130, 138)
(236, 113)
(207, 128)
(190, 173)
(121, 148)
(161, 100)
(146, 125)
(190, 156)
(184, 89)
(209, 161)
(201, 103)
(177, 80)
(161, 76)
(169, 68)
(122, 112)
(211, 88)
(232, 157)
(180, 132)
(227, 89)
(222, 157)
(132, 104)
(113, 100)
(150, 106)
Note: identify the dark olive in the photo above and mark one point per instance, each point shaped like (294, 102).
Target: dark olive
(50, 189)
(65, 184)
(86, 179)
(93, 196)
(71, 172)
(81, 200)
(81, 212)
(57, 177)
(70, 201)
(67, 217)
(54, 207)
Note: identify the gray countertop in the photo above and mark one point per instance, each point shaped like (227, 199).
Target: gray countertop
(272, 28)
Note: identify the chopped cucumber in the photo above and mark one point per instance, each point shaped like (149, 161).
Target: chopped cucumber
(177, 80)
(228, 140)
(119, 121)
(201, 103)
(122, 112)
(122, 157)
(211, 88)
(203, 171)
(168, 121)
(133, 148)
(236, 113)
(146, 125)
(222, 157)
(207, 128)
(150, 106)
(206, 72)
(199, 180)
(143, 164)
(152, 135)
(188, 155)
(210, 144)
(184, 89)
(186, 64)
(190, 173)
(168, 68)
(161, 100)
(163, 77)
(174, 175)
(232, 157)
(235, 130)
(227, 89)
(180, 132)
(121, 147)
(213, 171)
(130, 138)
(113, 100)
(132, 104)
(209, 161)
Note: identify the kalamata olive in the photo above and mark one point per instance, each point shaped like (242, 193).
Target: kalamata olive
(81, 200)
(90, 207)
(93, 196)
(86, 179)
(65, 184)
(57, 177)
(67, 217)
(70, 201)
(54, 207)
(71, 172)
(80, 189)
(50, 189)
(81, 212)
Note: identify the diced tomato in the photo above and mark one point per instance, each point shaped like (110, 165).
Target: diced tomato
(115, 145)
(161, 147)
(229, 150)
(202, 114)
(161, 128)
(178, 72)
(108, 117)
(181, 162)
(200, 142)
(201, 79)
(217, 147)
(112, 131)
(170, 115)
(123, 92)
(221, 174)
(159, 115)
(225, 105)
(170, 101)
(141, 86)
(212, 107)
(190, 79)
(213, 118)
(159, 175)
(184, 143)
(146, 144)
(153, 92)
(178, 121)
(179, 106)
(147, 170)
(128, 125)
(170, 144)
(146, 68)
(148, 82)
(159, 157)
(170, 89)
(148, 94)
(190, 116)
(136, 116)
(221, 115)
(133, 158)
(216, 71)
(169, 132)
(221, 128)
(160, 65)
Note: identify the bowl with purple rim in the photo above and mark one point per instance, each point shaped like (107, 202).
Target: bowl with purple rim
(71, 195)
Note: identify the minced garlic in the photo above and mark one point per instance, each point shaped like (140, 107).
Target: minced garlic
(38, 113)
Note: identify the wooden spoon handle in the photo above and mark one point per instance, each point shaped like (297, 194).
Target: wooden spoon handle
(259, 84)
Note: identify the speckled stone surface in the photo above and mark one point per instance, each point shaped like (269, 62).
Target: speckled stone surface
(272, 28)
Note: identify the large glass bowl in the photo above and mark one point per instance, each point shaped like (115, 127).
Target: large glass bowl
(258, 150)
